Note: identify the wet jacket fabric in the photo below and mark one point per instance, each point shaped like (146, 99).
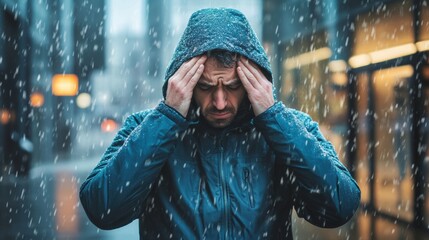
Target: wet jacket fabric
(185, 180)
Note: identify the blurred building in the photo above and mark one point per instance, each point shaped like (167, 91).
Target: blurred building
(360, 68)
(14, 88)
(41, 39)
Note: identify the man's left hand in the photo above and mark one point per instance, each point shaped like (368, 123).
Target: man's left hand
(258, 88)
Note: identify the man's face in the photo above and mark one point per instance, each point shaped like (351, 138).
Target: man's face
(219, 93)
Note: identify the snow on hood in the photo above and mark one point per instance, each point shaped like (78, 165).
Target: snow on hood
(218, 28)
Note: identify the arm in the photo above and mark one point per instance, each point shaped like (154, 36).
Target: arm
(326, 195)
(114, 192)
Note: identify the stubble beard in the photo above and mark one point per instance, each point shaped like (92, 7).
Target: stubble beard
(219, 123)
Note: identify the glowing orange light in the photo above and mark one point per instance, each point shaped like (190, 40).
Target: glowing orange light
(339, 79)
(308, 58)
(65, 85)
(66, 197)
(5, 116)
(425, 72)
(108, 125)
(37, 99)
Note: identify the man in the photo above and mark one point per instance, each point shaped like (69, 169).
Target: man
(219, 158)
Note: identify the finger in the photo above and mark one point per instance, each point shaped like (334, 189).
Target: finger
(195, 78)
(253, 68)
(250, 77)
(185, 68)
(257, 72)
(199, 69)
(202, 60)
(247, 85)
(189, 75)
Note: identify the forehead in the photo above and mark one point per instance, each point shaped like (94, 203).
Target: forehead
(214, 71)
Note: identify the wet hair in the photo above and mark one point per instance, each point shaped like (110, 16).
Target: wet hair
(225, 58)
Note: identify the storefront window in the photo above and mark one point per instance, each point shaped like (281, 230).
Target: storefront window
(387, 26)
(304, 74)
(309, 84)
(424, 26)
(393, 179)
(424, 131)
(384, 33)
(363, 174)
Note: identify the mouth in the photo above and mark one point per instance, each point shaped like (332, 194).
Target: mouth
(220, 115)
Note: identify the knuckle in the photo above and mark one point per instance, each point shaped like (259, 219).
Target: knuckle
(186, 66)
(195, 78)
(172, 82)
(200, 69)
(172, 79)
(178, 94)
(266, 84)
(189, 74)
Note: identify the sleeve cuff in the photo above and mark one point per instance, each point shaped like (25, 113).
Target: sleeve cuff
(172, 114)
(270, 113)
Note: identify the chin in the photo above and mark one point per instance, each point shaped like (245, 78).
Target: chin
(220, 123)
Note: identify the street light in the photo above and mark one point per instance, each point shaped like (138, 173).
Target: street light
(83, 100)
(37, 99)
(6, 116)
(65, 85)
(108, 125)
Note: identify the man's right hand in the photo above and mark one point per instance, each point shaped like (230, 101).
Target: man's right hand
(182, 83)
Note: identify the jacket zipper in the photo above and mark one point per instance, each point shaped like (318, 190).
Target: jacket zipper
(248, 181)
(198, 201)
(224, 193)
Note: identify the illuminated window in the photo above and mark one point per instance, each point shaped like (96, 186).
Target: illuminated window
(388, 25)
(65, 85)
(313, 84)
(37, 99)
(393, 185)
(424, 15)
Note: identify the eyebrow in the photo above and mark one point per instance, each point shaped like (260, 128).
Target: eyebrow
(230, 82)
(233, 81)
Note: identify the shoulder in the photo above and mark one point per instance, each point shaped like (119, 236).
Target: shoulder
(300, 115)
(305, 119)
(292, 112)
(136, 118)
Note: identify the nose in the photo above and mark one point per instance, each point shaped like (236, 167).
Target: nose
(220, 98)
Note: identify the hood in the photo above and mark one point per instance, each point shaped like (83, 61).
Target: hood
(218, 28)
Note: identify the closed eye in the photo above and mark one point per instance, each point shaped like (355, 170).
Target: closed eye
(234, 86)
(203, 86)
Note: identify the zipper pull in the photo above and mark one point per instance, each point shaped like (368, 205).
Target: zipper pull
(246, 175)
(249, 187)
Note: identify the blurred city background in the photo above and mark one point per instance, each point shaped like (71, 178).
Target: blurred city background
(72, 70)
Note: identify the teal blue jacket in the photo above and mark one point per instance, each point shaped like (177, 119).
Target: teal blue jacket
(185, 180)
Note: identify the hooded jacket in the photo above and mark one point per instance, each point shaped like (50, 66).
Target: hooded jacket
(185, 180)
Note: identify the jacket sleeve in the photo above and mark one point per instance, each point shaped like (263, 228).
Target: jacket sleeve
(114, 192)
(325, 194)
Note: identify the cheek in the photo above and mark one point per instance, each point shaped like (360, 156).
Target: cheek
(200, 98)
(238, 97)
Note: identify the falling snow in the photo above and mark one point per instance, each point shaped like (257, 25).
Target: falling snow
(331, 60)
